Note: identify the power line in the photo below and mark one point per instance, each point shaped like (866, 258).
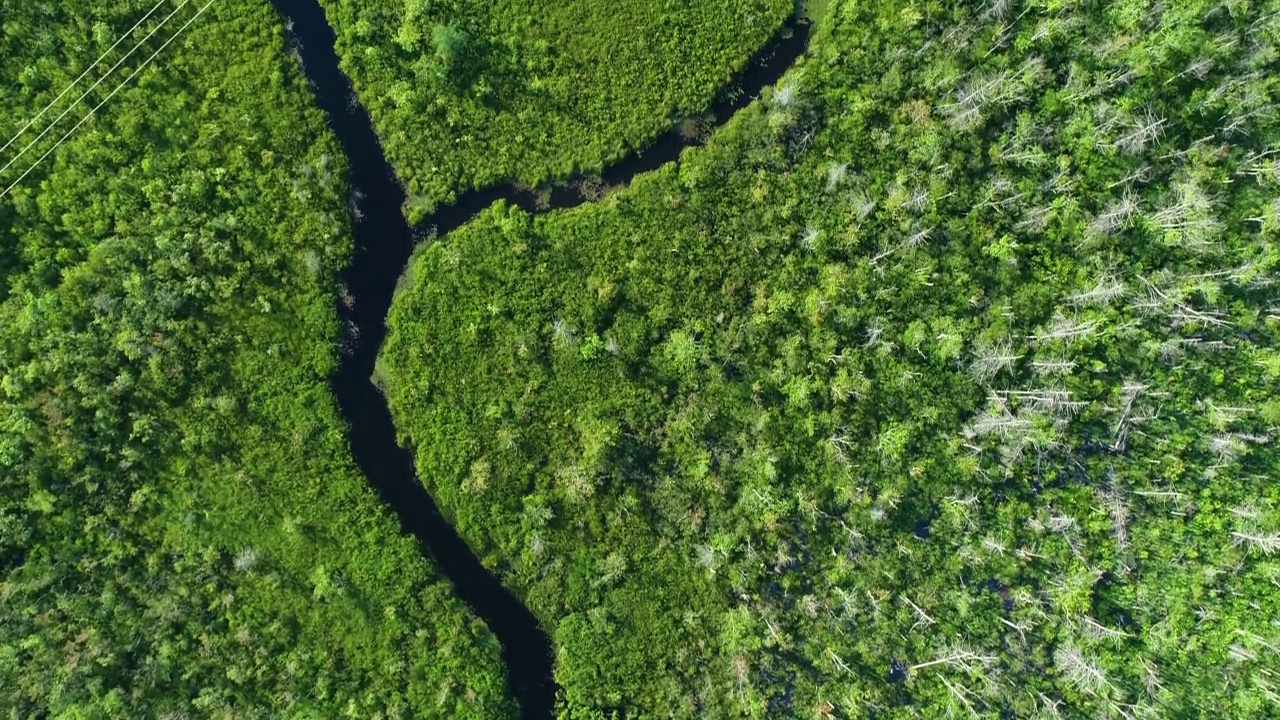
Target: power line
(108, 97)
(82, 76)
(91, 88)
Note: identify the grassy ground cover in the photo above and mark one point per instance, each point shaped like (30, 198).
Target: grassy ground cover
(942, 383)
(467, 94)
(182, 532)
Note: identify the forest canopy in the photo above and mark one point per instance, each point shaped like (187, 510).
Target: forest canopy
(182, 531)
(468, 94)
(942, 383)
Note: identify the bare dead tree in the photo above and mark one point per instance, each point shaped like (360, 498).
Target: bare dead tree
(874, 331)
(1198, 68)
(919, 199)
(1229, 445)
(1266, 543)
(1093, 629)
(810, 238)
(1140, 176)
(960, 693)
(992, 358)
(1081, 670)
(1045, 400)
(1062, 183)
(1258, 639)
(1052, 366)
(836, 173)
(1171, 304)
(1047, 705)
(1066, 329)
(1106, 289)
(1141, 131)
(1262, 166)
(922, 617)
(1150, 676)
(863, 204)
(1115, 216)
(1130, 392)
(1022, 627)
(919, 237)
(1050, 28)
(1034, 219)
(997, 420)
(842, 446)
(1021, 150)
(960, 658)
(1190, 217)
(1223, 416)
(839, 661)
(1240, 653)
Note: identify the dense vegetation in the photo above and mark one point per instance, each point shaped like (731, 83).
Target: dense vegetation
(941, 383)
(182, 533)
(469, 94)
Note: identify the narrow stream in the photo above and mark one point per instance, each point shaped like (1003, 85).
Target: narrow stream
(383, 244)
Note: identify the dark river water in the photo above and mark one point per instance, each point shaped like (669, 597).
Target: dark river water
(383, 243)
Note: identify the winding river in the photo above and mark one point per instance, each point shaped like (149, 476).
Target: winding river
(383, 243)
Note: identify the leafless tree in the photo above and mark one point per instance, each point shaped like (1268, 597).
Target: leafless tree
(919, 237)
(1052, 366)
(1114, 216)
(1130, 392)
(836, 173)
(1048, 401)
(1229, 445)
(1266, 543)
(1190, 216)
(810, 238)
(874, 331)
(842, 446)
(1081, 670)
(1198, 68)
(863, 204)
(997, 420)
(1140, 131)
(1034, 219)
(1066, 329)
(958, 657)
(1253, 637)
(991, 358)
(1150, 676)
(1019, 152)
(922, 617)
(1170, 302)
(1093, 629)
(839, 662)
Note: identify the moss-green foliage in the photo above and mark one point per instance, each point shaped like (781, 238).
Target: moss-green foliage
(466, 93)
(942, 382)
(181, 530)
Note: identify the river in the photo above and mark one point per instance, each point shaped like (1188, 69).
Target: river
(384, 242)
